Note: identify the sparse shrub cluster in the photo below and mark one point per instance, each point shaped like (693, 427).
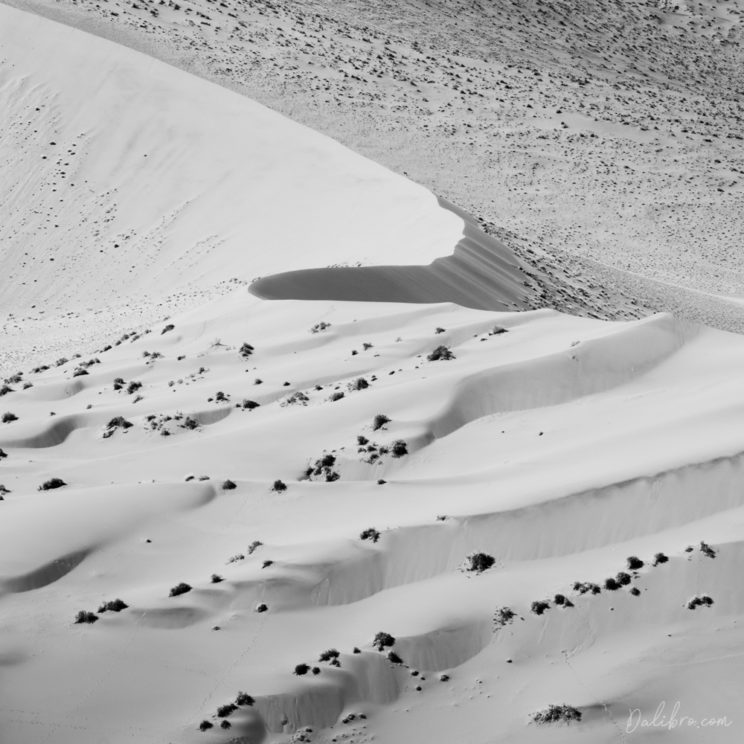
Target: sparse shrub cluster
(298, 398)
(703, 601)
(178, 589)
(441, 353)
(9, 417)
(279, 486)
(539, 607)
(322, 469)
(85, 617)
(503, 616)
(118, 422)
(114, 605)
(479, 562)
(246, 350)
(318, 327)
(557, 714)
(383, 640)
(370, 534)
(379, 421)
(247, 405)
(51, 484)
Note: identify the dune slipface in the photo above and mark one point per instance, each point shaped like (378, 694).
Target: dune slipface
(252, 495)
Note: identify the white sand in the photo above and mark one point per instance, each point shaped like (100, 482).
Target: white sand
(559, 447)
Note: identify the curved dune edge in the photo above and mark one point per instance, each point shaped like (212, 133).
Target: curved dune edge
(481, 273)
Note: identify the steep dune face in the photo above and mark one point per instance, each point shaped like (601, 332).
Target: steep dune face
(148, 187)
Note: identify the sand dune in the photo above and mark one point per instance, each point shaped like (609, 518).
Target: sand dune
(231, 466)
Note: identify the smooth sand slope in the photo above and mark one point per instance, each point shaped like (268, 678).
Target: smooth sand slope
(267, 484)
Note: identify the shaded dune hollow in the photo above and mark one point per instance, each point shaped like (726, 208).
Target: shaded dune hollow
(481, 273)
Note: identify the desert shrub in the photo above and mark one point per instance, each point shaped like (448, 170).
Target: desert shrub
(301, 669)
(705, 549)
(336, 396)
(190, 423)
(296, 398)
(266, 564)
(279, 486)
(167, 329)
(399, 448)
(119, 422)
(329, 655)
(394, 658)
(556, 714)
(246, 350)
(359, 384)
(611, 584)
(441, 353)
(79, 372)
(503, 616)
(220, 397)
(361, 441)
(635, 591)
(61, 361)
(318, 327)
(179, 589)
(583, 587)
(225, 710)
(3, 454)
(85, 617)
(51, 484)
(118, 383)
(254, 546)
(133, 387)
(660, 558)
(439, 329)
(228, 485)
(539, 607)
(623, 578)
(114, 605)
(243, 698)
(634, 563)
(383, 640)
(559, 599)
(8, 417)
(695, 602)
(205, 726)
(480, 562)
(263, 607)
(379, 421)
(370, 534)
(5, 389)
(323, 468)
(216, 579)
(225, 724)
(248, 405)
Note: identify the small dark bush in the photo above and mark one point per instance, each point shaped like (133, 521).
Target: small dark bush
(318, 327)
(439, 329)
(705, 549)
(623, 578)
(3, 454)
(660, 558)
(115, 605)
(167, 329)
(359, 384)
(611, 584)
(133, 387)
(441, 353)
(225, 724)
(328, 655)
(216, 579)
(301, 669)
(262, 607)
(560, 599)
(243, 698)
(85, 617)
(221, 397)
(79, 372)
(279, 486)
(225, 710)
(178, 589)
(205, 726)
(399, 448)
(246, 350)
(635, 591)
(480, 562)
(634, 563)
(254, 546)
(190, 423)
(5, 389)
(704, 601)
(539, 607)
(379, 421)
(51, 484)
(119, 422)
(557, 714)
(394, 658)
(370, 534)
(248, 405)
(383, 640)
(228, 485)
(9, 417)
(503, 616)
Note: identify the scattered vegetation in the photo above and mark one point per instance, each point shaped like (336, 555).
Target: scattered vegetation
(318, 327)
(539, 606)
(51, 484)
(322, 469)
(634, 563)
(660, 558)
(301, 669)
(383, 640)
(228, 485)
(556, 714)
(115, 605)
(9, 417)
(379, 421)
(695, 602)
(246, 350)
(243, 698)
(279, 486)
(85, 617)
(370, 534)
(441, 353)
(480, 562)
(179, 589)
